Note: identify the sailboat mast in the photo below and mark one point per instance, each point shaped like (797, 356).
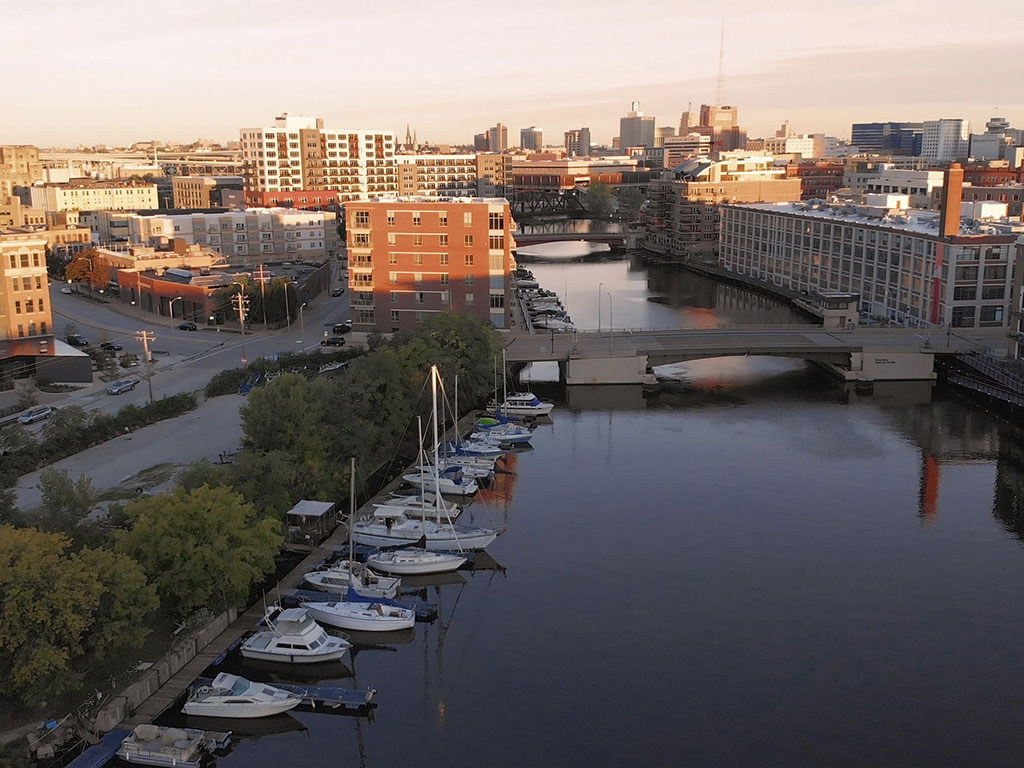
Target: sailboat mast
(504, 383)
(351, 515)
(437, 468)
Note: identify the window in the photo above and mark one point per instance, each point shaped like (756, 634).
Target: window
(360, 239)
(392, 238)
(497, 262)
(394, 297)
(416, 219)
(30, 306)
(419, 297)
(17, 308)
(965, 293)
(992, 292)
(467, 219)
(444, 278)
(391, 218)
(418, 277)
(24, 260)
(39, 283)
(991, 315)
(964, 274)
(497, 301)
(469, 259)
(41, 308)
(963, 317)
(469, 241)
(444, 258)
(417, 239)
(446, 297)
(392, 277)
(417, 258)
(470, 279)
(392, 258)
(442, 219)
(394, 316)
(495, 221)
(444, 240)
(496, 242)
(469, 299)
(997, 272)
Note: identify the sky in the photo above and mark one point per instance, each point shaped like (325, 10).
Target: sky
(111, 72)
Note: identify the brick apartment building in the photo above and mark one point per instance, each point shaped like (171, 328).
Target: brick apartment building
(409, 257)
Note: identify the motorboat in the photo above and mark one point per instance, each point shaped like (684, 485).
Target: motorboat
(151, 744)
(233, 696)
(342, 574)
(450, 481)
(488, 448)
(523, 404)
(447, 463)
(505, 433)
(420, 504)
(362, 617)
(390, 528)
(411, 561)
(553, 324)
(292, 636)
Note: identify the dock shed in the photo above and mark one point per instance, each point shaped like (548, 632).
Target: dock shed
(309, 523)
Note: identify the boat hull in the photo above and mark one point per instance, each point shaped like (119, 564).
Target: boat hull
(395, 562)
(379, 536)
(362, 617)
(239, 711)
(293, 658)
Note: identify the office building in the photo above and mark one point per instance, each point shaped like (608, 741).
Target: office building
(887, 138)
(720, 123)
(819, 180)
(577, 142)
(682, 215)
(480, 142)
(497, 138)
(531, 138)
(298, 153)
(411, 257)
(884, 178)
(681, 148)
(19, 167)
(663, 132)
(946, 140)
(911, 267)
(208, 191)
(636, 129)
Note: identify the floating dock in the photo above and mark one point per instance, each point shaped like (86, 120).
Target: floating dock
(100, 754)
(332, 696)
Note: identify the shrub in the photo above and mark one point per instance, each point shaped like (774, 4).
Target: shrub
(226, 382)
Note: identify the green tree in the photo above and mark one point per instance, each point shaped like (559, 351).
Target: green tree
(65, 431)
(28, 395)
(598, 199)
(66, 503)
(202, 472)
(201, 548)
(630, 200)
(58, 609)
(9, 512)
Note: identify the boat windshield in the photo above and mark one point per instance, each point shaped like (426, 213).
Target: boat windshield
(240, 686)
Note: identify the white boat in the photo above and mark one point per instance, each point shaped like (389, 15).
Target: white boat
(234, 696)
(421, 504)
(504, 433)
(390, 528)
(344, 574)
(411, 561)
(363, 617)
(553, 324)
(524, 404)
(449, 463)
(487, 448)
(176, 747)
(447, 481)
(293, 637)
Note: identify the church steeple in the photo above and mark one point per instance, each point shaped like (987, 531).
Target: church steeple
(408, 136)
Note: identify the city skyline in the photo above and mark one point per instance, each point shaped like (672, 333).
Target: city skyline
(142, 76)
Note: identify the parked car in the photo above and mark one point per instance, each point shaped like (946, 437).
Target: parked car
(33, 415)
(337, 292)
(187, 327)
(333, 341)
(77, 340)
(110, 346)
(340, 328)
(122, 385)
(65, 289)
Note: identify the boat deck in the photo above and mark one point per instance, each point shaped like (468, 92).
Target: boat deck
(100, 754)
(424, 609)
(331, 696)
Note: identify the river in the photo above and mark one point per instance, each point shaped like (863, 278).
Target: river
(751, 567)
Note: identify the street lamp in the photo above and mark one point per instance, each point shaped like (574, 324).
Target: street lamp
(213, 321)
(599, 300)
(302, 327)
(170, 307)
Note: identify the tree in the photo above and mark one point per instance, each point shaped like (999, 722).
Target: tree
(57, 609)
(202, 472)
(630, 200)
(28, 395)
(65, 431)
(201, 548)
(9, 512)
(598, 199)
(66, 502)
(86, 268)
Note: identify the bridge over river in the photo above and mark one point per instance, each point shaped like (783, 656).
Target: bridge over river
(861, 354)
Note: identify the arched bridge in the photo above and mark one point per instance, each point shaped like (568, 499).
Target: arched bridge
(537, 238)
(627, 356)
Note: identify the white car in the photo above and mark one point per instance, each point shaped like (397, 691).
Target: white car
(33, 415)
(65, 289)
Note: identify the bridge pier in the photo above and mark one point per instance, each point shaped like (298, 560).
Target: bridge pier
(881, 364)
(612, 369)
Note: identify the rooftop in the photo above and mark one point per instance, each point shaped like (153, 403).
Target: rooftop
(906, 220)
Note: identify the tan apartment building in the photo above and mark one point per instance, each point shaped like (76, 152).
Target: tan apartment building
(24, 291)
(19, 167)
(492, 174)
(89, 195)
(15, 214)
(298, 153)
(437, 175)
(208, 191)
(683, 216)
(410, 257)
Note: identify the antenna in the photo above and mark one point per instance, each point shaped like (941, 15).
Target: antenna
(721, 56)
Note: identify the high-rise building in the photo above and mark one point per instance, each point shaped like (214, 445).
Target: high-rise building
(532, 138)
(887, 138)
(719, 123)
(497, 138)
(680, 148)
(24, 289)
(663, 132)
(298, 153)
(636, 129)
(410, 257)
(480, 142)
(946, 140)
(682, 216)
(577, 142)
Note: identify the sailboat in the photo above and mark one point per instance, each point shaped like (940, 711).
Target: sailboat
(519, 404)
(392, 527)
(350, 614)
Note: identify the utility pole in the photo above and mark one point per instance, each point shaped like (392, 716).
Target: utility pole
(262, 276)
(145, 337)
(242, 305)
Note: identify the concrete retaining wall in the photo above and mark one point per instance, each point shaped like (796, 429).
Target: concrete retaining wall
(630, 369)
(890, 365)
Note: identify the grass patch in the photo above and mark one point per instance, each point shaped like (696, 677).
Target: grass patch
(148, 478)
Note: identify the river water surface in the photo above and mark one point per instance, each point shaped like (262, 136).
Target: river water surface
(749, 568)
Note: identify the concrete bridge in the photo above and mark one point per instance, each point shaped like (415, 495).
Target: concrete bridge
(861, 354)
(614, 239)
